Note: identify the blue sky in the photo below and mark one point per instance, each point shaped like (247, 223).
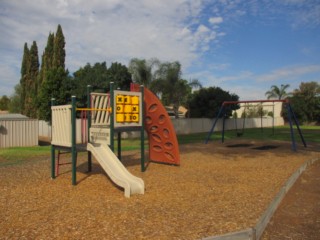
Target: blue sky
(242, 46)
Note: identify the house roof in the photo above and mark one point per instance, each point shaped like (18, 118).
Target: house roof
(13, 116)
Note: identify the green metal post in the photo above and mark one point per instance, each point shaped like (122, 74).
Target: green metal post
(112, 116)
(142, 129)
(73, 140)
(53, 157)
(89, 126)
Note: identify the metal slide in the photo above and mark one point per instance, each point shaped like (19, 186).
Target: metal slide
(115, 170)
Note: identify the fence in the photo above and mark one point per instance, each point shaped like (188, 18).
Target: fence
(198, 125)
(187, 125)
(19, 133)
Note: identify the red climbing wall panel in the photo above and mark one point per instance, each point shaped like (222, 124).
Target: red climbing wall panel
(163, 144)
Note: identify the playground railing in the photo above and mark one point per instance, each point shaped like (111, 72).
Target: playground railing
(61, 125)
(100, 115)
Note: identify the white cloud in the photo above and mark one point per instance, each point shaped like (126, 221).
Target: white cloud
(292, 72)
(208, 78)
(219, 67)
(110, 31)
(248, 92)
(7, 73)
(242, 84)
(216, 20)
(249, 85)
(118, 30)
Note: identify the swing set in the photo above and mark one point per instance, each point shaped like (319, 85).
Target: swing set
(245, 114)
(239, 132)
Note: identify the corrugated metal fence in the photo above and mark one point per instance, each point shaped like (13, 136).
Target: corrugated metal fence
(198, 125)
(187, 125)
(19, 133)
(25, 132)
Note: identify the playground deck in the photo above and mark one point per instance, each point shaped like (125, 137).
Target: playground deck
(218, 188)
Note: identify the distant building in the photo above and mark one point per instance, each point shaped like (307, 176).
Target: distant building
(181, 111)
(269, 107)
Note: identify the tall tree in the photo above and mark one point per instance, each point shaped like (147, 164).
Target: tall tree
(57, 86)
(99, 77)
(306, 101)
(28, 81)
(34, 67)
(30, 108)
(15, 101)
(278, 92)
(142, 70)
(24, 75)
(47, 59)
(59, 53)
(171, 86)
(96, 76)
(206, 102)
(55, 81)
(4, 102)
(120, 75)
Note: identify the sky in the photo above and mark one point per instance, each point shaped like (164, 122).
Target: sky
(241, 46)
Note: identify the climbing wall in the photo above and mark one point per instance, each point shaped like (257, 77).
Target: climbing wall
(163, 144)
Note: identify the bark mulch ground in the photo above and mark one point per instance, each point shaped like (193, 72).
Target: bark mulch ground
(298, 216)
(218, 188)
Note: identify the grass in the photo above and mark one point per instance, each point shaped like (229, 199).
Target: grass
(282, 133)
(17, 155)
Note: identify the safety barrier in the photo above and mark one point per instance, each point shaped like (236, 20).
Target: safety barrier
(100, 104)
(61, 125)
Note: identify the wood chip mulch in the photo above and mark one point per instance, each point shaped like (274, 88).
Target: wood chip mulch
(218, 188)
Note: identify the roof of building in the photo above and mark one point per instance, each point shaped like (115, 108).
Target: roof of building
(13, 116)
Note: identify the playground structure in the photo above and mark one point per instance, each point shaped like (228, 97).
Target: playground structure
(107, 114)
(291, 115)
(268, 112)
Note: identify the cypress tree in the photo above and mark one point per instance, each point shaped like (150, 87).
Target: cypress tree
(55, 82)
(31, 82)
(47, 59)
(34, 67)
(24, 70)
(59, 53)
